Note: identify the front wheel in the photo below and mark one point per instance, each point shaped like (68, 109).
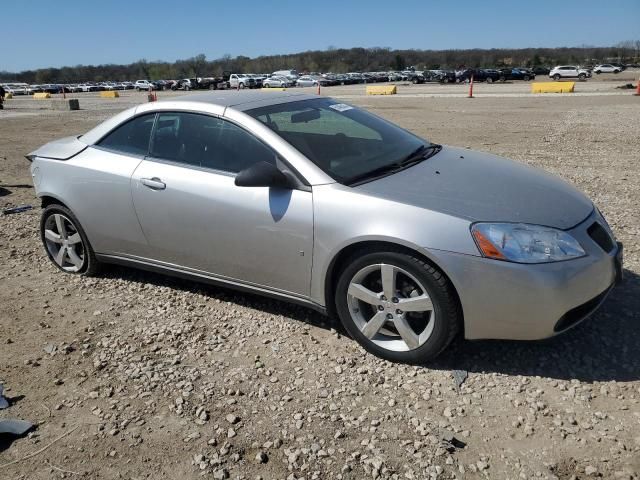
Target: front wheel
(582, 77)
(65, 242)
(556, 77)
(397, 306)
(489, 79)
(241, 85)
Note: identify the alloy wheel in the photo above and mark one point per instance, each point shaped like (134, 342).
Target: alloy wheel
(391, 307)
(64, 243)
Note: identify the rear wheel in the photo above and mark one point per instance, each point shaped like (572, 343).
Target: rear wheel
(397, 306)
(65, 241)
(556, 77)
(489, 79)
(241, 85)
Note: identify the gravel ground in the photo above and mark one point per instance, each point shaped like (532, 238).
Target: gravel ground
(149, 376)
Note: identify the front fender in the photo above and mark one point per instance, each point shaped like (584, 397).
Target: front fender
(344, 217)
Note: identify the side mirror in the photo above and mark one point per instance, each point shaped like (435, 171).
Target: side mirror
(262, 174)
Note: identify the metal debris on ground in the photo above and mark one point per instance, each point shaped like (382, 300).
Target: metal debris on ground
(4, 403)
(15, 427)
(459, 376)
(451, 443)
(18, 209)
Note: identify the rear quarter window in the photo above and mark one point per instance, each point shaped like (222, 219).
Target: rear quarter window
(131, 137)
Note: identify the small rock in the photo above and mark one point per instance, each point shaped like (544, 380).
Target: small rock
(262, 457)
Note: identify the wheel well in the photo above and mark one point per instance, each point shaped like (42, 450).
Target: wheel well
(340, 261)
(46, 201)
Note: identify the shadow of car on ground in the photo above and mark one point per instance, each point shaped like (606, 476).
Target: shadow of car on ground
(604, 347)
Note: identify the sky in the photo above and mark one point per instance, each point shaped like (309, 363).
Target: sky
(39, 34)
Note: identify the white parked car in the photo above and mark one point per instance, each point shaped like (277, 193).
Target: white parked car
(15, 89)
(144, 85)
(87, 87)
(292, 75)
(312, 81)
(276, 81)
(606, 68)
(569, 71)
(241, 80)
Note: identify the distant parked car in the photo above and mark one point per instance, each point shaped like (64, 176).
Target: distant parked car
(144, 85)
(276, 81)
(606, 68)
(479, 75)
(72, 88)
(292, 75)
(241, 80)
(312, 81)
(569, 71)
(88, 87)
(15, 89)
(31, 89)
(540, 70)
(516, 74)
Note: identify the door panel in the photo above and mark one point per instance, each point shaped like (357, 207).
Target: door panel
(201, 220)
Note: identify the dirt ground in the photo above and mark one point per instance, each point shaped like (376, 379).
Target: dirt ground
(134, 375)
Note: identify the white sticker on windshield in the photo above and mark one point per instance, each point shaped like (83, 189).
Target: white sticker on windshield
(341, 107)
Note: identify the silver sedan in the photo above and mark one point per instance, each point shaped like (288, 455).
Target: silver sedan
(314, 201)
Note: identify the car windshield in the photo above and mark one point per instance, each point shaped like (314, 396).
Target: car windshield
(345, 142)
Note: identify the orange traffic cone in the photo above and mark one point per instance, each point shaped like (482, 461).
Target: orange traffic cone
(470, 88)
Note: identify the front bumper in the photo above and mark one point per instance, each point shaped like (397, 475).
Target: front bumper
(504, 300)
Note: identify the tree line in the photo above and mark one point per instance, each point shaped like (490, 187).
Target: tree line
(336, 60)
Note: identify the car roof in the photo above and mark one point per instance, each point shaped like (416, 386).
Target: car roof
(215, 102)
(244, 100)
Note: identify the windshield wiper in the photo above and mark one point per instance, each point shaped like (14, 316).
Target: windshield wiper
(420, 154)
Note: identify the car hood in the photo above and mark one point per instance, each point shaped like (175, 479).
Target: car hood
(483, 187)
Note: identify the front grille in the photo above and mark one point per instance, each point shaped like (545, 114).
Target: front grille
(580, 312)
(601, 237)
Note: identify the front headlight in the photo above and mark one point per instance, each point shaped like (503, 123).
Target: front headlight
(524, 243)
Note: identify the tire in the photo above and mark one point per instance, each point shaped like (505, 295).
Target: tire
(85, 260)
(526, 78)
(241, 85)
(489, 79)
(616, 71)
(557, 77)
(503, 79)
(436, 328)
(597, 72)
(582, 77)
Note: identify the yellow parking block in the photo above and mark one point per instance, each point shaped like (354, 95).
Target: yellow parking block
(109, 94)
(381, 90)
(275, 89)
(8, 96)
(552, 87)
(41, 95)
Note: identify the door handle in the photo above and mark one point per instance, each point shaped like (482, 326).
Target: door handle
(153, 183)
